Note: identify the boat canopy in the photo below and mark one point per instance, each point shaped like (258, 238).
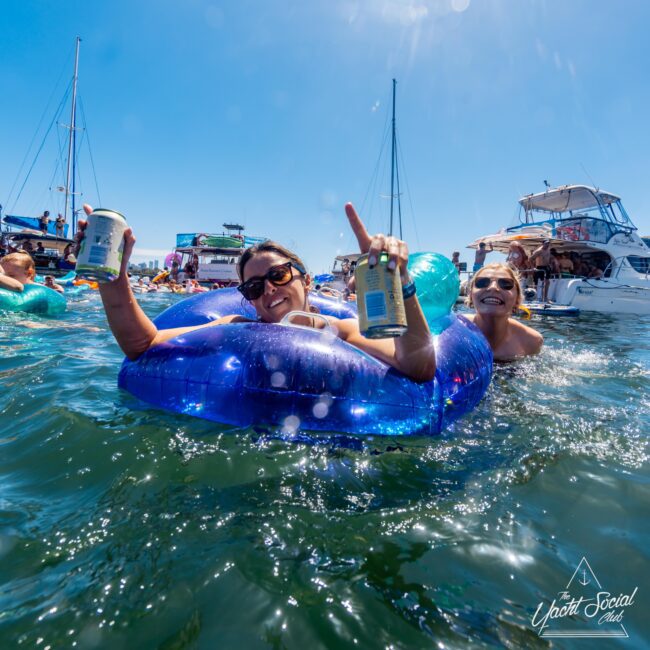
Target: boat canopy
(530, 239)
(209, 250)
(568, 198)
(350, 257)
(577, 207)
(50, 242)
(32, 223)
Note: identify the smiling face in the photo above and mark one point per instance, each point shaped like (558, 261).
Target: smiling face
(494, 300)
(276, 302)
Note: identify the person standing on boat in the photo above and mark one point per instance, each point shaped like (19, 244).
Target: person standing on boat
(345, 268)
(43, 220)
(60, 225)
(455, 260)
(481, 254)
(543, 265)
(495, 293)
(517, 257)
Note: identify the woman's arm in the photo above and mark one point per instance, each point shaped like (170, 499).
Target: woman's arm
(412, 353)
(131, 327)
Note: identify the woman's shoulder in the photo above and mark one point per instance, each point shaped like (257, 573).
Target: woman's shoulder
(528, 337)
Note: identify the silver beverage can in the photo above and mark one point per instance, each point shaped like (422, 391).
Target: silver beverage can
(379, 299)
(100, 254)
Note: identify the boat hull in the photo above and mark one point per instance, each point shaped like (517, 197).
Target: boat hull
(601, 295)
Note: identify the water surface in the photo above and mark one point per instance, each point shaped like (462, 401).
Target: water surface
(123, 526)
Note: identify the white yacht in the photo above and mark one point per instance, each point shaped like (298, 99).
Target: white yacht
(215, 256)
(593, 228)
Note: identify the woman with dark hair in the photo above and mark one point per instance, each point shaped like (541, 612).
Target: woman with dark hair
(495, 293)
(275, 281)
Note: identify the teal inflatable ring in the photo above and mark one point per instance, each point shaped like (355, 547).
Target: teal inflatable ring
(35, 299)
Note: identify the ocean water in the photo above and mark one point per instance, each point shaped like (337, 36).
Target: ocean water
(122, 526)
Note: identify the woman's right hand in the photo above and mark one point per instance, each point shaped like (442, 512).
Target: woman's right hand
(129, 241)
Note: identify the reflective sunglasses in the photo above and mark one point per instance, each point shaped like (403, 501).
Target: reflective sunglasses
(277, 275)
(483, 282)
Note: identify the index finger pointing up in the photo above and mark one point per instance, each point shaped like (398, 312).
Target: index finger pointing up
(359, 230)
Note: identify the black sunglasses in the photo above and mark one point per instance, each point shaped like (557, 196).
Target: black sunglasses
(278, 275)
(485, 281)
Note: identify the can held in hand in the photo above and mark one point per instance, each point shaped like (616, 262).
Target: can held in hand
(100, 255)
(379, 299)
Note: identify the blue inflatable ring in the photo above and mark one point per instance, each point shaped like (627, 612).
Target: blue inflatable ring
(302, 379)
(34, 298)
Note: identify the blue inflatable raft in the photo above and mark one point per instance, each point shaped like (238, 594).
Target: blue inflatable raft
(304, 379)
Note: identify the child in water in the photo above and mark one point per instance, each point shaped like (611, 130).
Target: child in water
(16, 270)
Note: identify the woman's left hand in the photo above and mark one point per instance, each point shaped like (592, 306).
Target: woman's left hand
(398, 252)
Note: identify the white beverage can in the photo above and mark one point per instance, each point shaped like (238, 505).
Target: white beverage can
(100, 255)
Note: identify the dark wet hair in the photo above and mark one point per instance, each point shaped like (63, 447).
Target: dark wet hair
(267, 246)
(270, 246)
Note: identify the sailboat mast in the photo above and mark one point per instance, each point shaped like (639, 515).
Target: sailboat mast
(71, 139)
(392, 166)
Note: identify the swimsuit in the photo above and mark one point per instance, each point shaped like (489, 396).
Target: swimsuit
(542, 273)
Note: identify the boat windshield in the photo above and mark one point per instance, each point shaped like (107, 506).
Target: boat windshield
(577, 213)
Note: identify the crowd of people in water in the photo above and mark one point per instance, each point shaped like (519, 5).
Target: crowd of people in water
(275, 282)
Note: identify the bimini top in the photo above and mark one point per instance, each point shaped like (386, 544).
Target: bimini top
(567, 198)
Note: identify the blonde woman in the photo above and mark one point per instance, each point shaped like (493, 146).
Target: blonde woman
(495, 293)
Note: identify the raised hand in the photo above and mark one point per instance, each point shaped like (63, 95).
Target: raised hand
(398, 252)
(129, 241)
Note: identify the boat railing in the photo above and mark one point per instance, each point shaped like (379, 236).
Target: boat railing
(613, 269)
(585, 228)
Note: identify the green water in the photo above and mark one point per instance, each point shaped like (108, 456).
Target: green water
(126, 527)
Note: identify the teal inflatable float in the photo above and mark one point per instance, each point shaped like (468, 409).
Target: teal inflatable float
(35, 299)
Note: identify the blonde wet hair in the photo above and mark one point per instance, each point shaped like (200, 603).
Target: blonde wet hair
(23, 259)
(496, 266)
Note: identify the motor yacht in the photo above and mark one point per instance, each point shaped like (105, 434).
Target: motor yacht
(590, 228)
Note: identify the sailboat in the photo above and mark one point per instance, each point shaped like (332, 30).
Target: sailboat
(343, 265)
(49, 257)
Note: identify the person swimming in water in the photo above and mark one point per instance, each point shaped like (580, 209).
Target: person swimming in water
(495, 293)
(16, 270)
(51, 284)
(275, 281)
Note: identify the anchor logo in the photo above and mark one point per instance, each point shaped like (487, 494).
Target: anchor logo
(579, 611)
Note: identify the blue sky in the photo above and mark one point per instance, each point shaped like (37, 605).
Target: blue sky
(273, 113)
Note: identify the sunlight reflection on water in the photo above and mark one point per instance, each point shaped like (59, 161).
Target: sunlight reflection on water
(126, 526)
